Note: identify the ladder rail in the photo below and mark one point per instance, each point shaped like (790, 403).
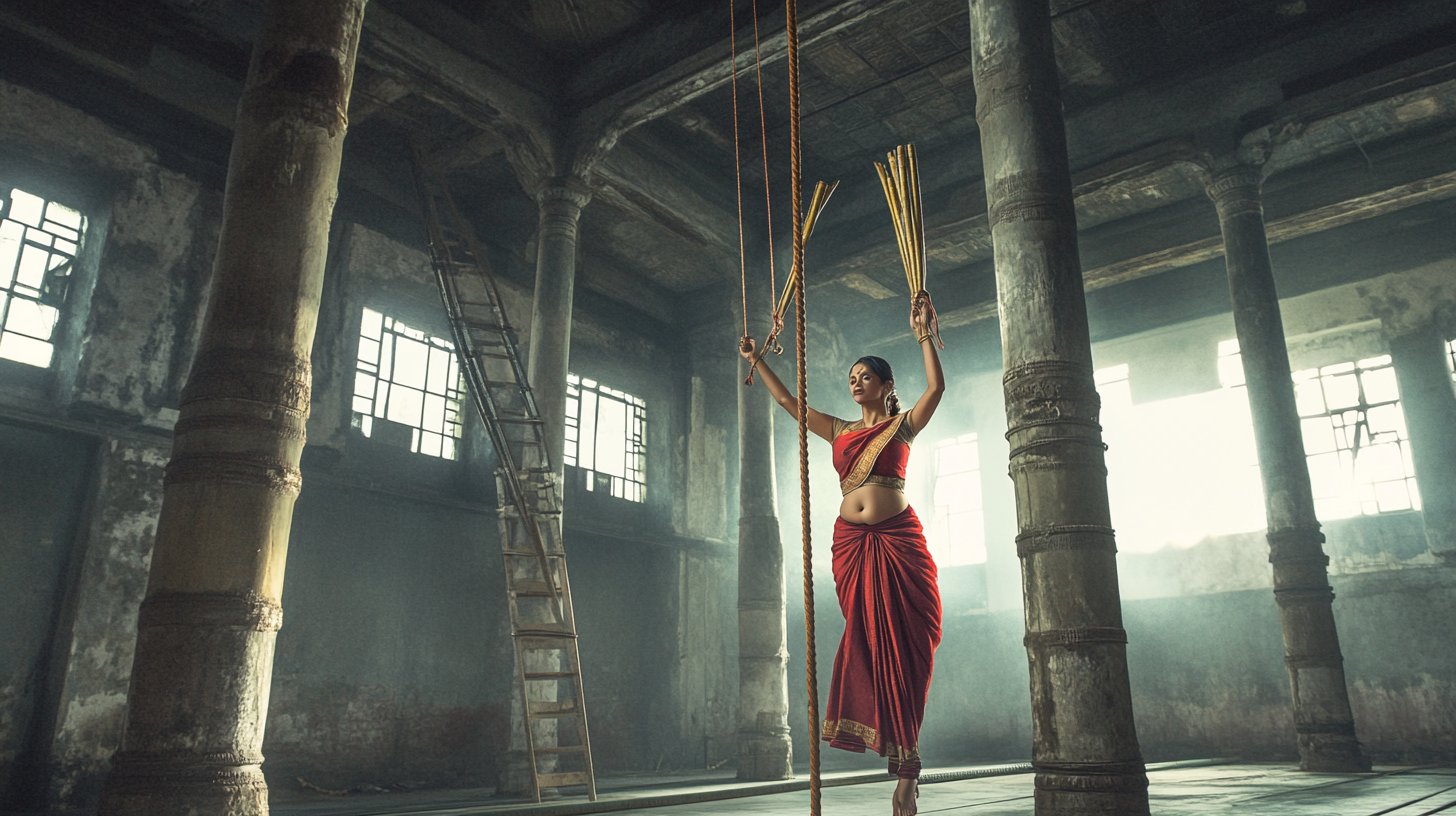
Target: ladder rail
(465, 348)
(535, 502)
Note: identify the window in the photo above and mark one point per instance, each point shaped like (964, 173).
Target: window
(1355, 438)
(1354, 435)
(408, 377)
(1178, 470)
(606, 436)
(39, 240)
(957, 532)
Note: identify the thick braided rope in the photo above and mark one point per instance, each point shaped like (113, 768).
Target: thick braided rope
(796, 170)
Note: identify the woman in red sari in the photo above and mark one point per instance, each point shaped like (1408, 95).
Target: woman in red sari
(883, 573)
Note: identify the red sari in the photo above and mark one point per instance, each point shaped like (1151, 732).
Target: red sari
(886, 583)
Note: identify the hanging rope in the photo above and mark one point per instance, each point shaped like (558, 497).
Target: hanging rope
(902, 191)
(796, 172)
(737, 162)
(763, 140)
(822, 192)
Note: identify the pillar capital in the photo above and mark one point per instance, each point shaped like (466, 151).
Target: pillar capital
(1236, 190)
(569, 191)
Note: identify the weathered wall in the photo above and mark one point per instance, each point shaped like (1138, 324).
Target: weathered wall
(123, 348)
(42, 487)
(394, 662)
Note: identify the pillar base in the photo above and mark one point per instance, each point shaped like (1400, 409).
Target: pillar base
(1332, 753)
(184, 785)
(763, 757)
(1091, 789)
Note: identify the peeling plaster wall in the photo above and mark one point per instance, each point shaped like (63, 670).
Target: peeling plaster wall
(126, 340)
(98, 637)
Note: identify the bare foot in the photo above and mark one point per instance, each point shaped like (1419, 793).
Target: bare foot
(905, 794)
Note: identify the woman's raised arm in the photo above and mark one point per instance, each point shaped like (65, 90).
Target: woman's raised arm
(821, 425)
(921, 313)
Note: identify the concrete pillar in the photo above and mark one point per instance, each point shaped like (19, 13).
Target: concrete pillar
(1429, 403)
(1084, 744)
(204, 657)
(1322, 718)
(764, 748)
(561, 201)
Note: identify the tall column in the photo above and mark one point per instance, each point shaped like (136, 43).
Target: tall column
(204, 657)
(765, 750)
(1322, 718)
(1085, 747)
(561, 201)
(1429, 403)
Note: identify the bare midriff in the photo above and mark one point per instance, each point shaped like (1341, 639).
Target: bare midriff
(872, 504)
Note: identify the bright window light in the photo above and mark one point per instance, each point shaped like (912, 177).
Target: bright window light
(957, 530)
(39, 240)
(1178, 470)
(1355, 438)
(408, 377)
(606, 437)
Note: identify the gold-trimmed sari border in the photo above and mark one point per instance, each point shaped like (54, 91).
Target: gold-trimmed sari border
(866, 461)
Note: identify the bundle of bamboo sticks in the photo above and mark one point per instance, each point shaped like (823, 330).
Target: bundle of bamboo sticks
(901, 181)
(822, 192)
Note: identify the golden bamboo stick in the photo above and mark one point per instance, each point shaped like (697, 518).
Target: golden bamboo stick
(820, 199)
(900, 177)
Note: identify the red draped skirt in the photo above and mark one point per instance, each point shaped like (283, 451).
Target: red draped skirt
(886, 582)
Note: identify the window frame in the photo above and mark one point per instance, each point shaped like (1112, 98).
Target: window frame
(631, 485)
(447, 403)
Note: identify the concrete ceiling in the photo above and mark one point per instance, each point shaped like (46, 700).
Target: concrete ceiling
(1350, 105)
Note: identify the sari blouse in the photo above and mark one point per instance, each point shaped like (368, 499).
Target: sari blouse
(852, 440)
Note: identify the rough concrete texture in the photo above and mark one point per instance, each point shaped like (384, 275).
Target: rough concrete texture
(43, 479)
(115, 554)
(146, 310)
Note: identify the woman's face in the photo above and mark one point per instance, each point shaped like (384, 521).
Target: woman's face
(867, 388)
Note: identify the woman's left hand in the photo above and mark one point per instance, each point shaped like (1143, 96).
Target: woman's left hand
(920, 314)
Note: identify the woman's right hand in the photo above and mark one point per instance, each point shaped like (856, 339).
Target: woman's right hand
(745, 348)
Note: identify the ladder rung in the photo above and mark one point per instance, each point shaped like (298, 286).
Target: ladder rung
(551, 709)
(561, 780)
(563, 749)
(551, 633)
(521, 420)
(532, 589)
(531, 554)
(549, 675)
(492, 327)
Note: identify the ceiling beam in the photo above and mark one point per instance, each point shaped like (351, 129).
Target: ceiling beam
(1309, 222)
(710, 67)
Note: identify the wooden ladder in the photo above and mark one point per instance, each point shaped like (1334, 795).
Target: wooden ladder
(543, 626)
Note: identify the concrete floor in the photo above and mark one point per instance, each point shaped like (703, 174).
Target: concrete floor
(1177, 789)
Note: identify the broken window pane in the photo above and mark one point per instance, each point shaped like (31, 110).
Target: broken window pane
(36, 255)
(396, 364)
(1359, 457)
